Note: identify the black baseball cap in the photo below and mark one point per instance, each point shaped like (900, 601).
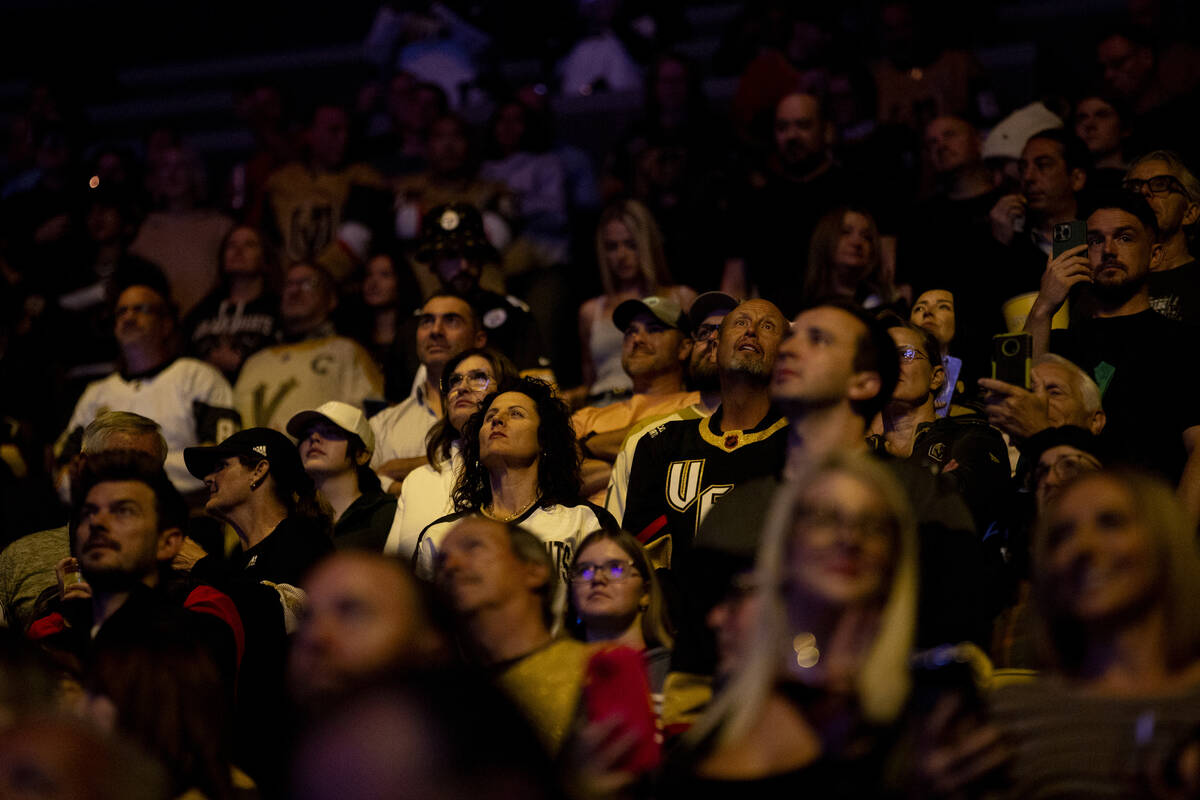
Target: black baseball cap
(454, 229)
(258, 443)
(708, 304)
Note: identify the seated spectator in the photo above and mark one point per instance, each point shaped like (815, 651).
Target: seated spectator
(520, 159)
(762, 734)
(322, 209)
(190, 399)
(427, 492)
(682, 469)
(257, 485)
(446, 325)
(27, 565)
(366, 618)
(162, 690)
(183, 235)
(1173, 193)
(500, 584)
(456, 251)
(703, 376)
(935, 312)
(1125, 345)
(1102, 123)
(1115, 578)
(1060, 394)
(241, 315)
(398, 138)
(965, 447)
(844, 260)
(1003, 145)
(615, 597)
(335, 445)
(313, 364)
(520, 466)
(632, 266)
(376, 318)
(654, 354)
(1053, 169)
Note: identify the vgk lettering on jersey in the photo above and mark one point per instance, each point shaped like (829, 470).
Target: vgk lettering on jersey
(684, 479)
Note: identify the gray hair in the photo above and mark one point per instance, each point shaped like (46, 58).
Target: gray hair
(107, 424)
(530, 550)
(1087, 388)
(1176, 167)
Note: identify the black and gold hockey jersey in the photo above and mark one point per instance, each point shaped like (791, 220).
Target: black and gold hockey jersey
(681, 468)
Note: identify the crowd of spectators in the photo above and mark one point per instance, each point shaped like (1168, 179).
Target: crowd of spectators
(838, 439)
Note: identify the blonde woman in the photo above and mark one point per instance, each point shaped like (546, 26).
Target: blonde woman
(629, 252)
(826, 660)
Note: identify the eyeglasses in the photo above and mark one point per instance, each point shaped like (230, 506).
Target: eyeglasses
(1159, 184)
(909, 354)
(476, 381)
(827, 520)
(705, 332)
(303, 284)
(586, 572)
(1066, 468)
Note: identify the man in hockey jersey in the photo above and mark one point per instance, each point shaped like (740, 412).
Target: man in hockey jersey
(312, 366)
(680, 469)
(189, 399)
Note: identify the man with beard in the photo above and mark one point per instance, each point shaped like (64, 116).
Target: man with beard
(801, 184)
(707, 312)
(1174, 195)
(680, 469)
(1128, 348)
(654, 352)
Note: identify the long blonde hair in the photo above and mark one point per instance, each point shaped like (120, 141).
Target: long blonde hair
(883, 681)
(651, 258)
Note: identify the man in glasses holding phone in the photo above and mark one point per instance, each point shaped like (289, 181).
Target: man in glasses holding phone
(1173, 193)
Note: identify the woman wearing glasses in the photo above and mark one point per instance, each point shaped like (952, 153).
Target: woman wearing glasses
(615, 598)
(520, 466)
(466, 379)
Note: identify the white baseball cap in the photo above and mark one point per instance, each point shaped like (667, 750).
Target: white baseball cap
(343, 415)
(1008, 138)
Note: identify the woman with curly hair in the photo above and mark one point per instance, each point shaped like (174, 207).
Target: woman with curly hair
(520, 466)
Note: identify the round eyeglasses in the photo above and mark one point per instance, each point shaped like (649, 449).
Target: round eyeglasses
(476, 381)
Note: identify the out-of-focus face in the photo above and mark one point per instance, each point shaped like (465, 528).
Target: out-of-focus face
(1100, 564)
(670, 85)
(1120, 249)
(1064, 401)
(702, 361)
(606, 596)
(104, 223)
(469, 383)
(620, 251)
(1046, 181)
(477, 568)
(457, 272)
(1098, 125)
(934, 311)
(445, 328)
(329, 135)
(379, 287)
(243, 254)
(856, 245)
(307, 301)
(1172, 208)
(799, 129)
(917, 370)
(323, 450)
(448, 146)
(1127, 66)
(952, 144)
(116, 532)
(142, 318)
(843, 544)
(510, 431)
(816, 361)
(360, 619)
(510, 128)
(1056, 468)
(732, 620)
(749, 339)
(173, 174)
(651, 347)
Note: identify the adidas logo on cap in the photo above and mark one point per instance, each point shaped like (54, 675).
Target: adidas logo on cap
(261, 449)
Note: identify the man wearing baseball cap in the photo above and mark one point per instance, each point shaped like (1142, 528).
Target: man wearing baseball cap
(335, 444)
(654, 354)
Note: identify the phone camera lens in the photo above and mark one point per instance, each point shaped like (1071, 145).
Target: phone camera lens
(1010, 347)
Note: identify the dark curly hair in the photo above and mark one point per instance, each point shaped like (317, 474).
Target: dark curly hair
(442, 435)
(558, 467)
